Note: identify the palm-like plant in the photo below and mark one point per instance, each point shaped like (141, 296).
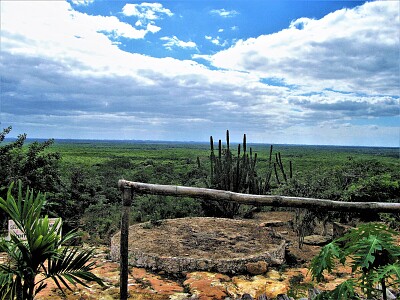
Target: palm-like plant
(43, 252)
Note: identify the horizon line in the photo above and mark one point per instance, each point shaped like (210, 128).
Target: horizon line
(198, 142)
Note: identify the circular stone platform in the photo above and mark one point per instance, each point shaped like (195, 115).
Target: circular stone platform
(201, 244)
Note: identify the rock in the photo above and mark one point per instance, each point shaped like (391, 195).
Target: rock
(207, 286)
(313, 292)
(273, 223)
(179, 296)
(274, 275)
(256, 268)
(254, 287)
(274, 288)
(340, 229)
(106, 297)
(283, 297)
(151, 282)
(317, 240)
(389, 294)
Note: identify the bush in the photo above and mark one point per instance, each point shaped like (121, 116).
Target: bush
(374, 256)
(152, 208)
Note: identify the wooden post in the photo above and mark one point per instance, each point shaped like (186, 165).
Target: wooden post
(126, 206)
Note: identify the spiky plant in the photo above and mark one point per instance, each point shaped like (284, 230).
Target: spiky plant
(44, 251)
(238, 173)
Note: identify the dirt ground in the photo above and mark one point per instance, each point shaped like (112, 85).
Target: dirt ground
(209, 238)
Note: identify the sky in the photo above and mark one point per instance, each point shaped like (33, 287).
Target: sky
(283, 72)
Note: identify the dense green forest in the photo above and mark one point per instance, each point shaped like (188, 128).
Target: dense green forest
(80, 177)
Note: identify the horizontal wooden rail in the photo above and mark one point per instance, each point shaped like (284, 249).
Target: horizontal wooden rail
(258, 200)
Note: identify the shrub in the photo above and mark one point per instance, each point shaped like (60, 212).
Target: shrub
(372, 253)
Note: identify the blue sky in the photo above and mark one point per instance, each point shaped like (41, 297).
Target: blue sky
(296, 72)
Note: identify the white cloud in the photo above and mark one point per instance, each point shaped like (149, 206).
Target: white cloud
(224, 13)
(153, 28)
(202, 56)
(220, 30)
(175, 42)
(114, 26)
(146, 11)
(82, 2)
(56, 60)
(353, 50)
(217, 41)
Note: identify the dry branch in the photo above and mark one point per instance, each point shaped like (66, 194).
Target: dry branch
(258, 200)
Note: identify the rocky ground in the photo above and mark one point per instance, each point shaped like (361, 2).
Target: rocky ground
(293, 280)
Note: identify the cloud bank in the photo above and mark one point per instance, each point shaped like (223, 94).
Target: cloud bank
(351, 50)
(65, 76)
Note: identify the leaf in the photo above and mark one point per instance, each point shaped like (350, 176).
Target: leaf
(390, 271)
(325, 260)
(73, 265)
(364, 252)
(344, 291)
(7, 286)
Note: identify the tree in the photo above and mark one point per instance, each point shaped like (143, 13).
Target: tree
(34, 165)
(44, 251)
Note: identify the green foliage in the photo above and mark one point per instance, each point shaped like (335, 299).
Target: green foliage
(325, 260)
(358, 180)
(81, 176)
(34, 165)
(382, 187)
(43, 245)
(81, 189)
(100, 221)
(344, 291)
(373, 255)
(153, 208)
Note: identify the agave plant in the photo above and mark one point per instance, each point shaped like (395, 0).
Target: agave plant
(43, 251)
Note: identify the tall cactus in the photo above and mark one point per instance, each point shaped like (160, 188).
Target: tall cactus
(239, 174)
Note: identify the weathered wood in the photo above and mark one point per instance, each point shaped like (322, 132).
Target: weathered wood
(126, 205)
(259, 200)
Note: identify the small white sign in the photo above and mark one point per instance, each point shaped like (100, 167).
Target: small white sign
(13, 229)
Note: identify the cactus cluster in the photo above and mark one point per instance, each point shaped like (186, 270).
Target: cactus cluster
(238, 173)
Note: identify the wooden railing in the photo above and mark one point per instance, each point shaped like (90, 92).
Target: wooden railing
(129, 189)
